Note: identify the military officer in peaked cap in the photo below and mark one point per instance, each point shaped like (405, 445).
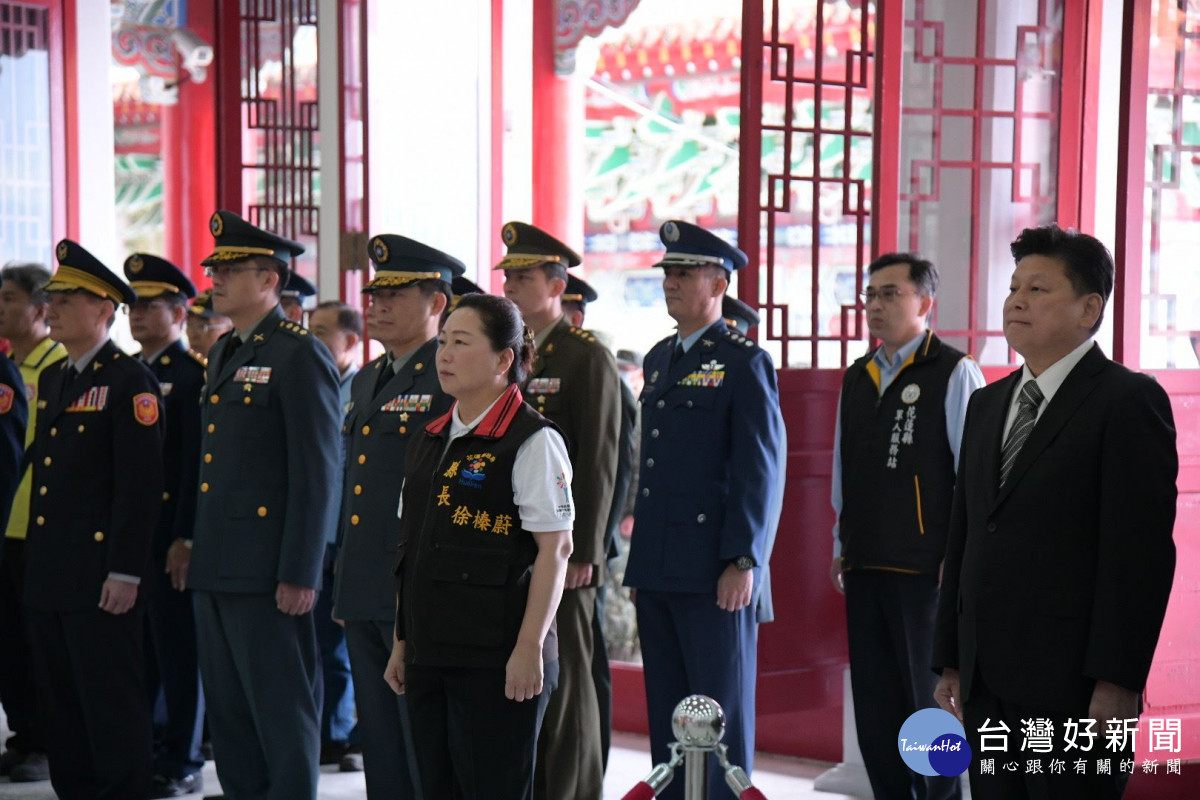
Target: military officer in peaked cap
(87, 557)
(205, 326)
(265, 503)
(575, 384)
(296, 290)
(156, 320)
(392, 398)
(709, 458)
(575, 299)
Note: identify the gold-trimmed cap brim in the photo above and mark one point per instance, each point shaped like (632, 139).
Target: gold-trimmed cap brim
(396, 279)
(223, 254)
(153, 288)
(70, 279)
(527, 260)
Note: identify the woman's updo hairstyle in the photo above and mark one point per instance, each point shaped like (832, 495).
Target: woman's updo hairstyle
(504, 328)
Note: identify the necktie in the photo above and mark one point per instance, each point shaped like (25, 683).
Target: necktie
(230, 349)
(677, 353)
(385, 374)
(1031, 398)
(69, 381)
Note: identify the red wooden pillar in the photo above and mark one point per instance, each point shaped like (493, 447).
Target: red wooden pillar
(189, 146)
(557, 197)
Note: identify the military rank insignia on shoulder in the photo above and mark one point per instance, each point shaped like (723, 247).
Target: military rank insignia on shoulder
(291, 327)
(738, 338)
(199, 359)
(587, 336)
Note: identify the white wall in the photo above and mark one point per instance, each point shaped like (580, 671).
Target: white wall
(94, 115)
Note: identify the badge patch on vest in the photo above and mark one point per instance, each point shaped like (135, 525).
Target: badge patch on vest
(252, 375)
(911, 393)
(145, 408)
(408, 402)
(903, 428)
(472, 469)
(544, 386)
(94, 399)
(6, 399)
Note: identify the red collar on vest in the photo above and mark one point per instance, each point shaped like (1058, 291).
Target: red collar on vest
(495, 423)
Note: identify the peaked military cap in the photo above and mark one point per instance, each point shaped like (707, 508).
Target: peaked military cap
(400, 261)
(737, 314)
(152, 276)
(298, 286)
(80, 270)
(690, 245)
(202, 305)
(531, 247)
(238, 240)
(579, 291)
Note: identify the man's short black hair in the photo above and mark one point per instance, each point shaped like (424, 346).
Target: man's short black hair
(554, 270)
(349, 320)
(920, 271)
(1087, 262)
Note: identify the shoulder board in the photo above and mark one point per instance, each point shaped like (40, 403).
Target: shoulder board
(738, 339)
(293, 328)
(587, 336)
(199, 359)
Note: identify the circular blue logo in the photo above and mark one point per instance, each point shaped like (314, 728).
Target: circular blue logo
(933, 742)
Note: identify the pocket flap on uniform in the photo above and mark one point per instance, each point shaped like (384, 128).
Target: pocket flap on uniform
(474, 569)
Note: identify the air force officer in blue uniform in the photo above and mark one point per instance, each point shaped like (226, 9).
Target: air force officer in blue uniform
(710, 435)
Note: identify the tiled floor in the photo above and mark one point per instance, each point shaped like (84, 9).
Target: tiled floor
(778, 778)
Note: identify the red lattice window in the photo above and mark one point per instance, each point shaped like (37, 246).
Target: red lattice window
(815, 93)
(280, 147)
(979, 150)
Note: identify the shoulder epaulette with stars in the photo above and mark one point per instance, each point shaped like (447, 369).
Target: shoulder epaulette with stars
(737, 338)
(582, 334)
(292, 327)
(199, 359)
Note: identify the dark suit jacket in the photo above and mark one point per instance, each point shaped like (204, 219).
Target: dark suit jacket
(97, 480)
(576, 386)
(14, 415)
(269, 465)
(180, 376)
(1061, 578)
(377, 431)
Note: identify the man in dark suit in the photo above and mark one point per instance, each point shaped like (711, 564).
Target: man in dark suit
(575, 384)
(1060, 557)
(709, 457)
(156, 321)
(92, 514)
(14, 414)
(267, 498)
(391, 399)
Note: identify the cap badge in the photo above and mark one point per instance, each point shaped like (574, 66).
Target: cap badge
(381, 250)
(509, 235)
(62, 250)
(135, 264)
(670, 232)
(216, 225)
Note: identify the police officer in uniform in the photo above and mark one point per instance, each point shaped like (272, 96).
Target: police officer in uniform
(391, 400)
(295, 292)
(205, 326)
(93, 513)
(710, 435)
(156, 320)
(575, 384)
(265, 503)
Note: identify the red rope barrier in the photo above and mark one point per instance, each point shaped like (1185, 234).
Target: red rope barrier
(640, 791)
(752, 794)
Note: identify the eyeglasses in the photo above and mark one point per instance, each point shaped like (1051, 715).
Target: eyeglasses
(223, 271)
(887, 294)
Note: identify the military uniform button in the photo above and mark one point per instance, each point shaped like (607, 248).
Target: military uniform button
(166, 496)
(991, 527)
(42, 491)
(700, 518)
(211, 427)
(645, 492)
(262, 511)
(660, 404)
(216, 398)
(41, 520)
(689, 404)
(541, 409)
(48, 461)
(366, 430)
(208, 458)
(98, 536)
(654, 433)
(354, 519)
(358, 489)
(204, 487)
(82, 429)
(246, 399)
(403, 429)
(362, 459)
(649, 462)
(54, 431)
(466, 576)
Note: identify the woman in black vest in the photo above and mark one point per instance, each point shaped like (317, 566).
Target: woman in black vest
(485, 532)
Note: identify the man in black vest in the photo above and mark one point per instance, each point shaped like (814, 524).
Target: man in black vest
(156, 322)
(895, 453)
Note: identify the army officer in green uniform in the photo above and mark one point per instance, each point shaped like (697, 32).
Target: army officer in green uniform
(266, 500)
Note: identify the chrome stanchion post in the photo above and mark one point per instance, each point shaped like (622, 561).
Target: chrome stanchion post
(698, 724)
